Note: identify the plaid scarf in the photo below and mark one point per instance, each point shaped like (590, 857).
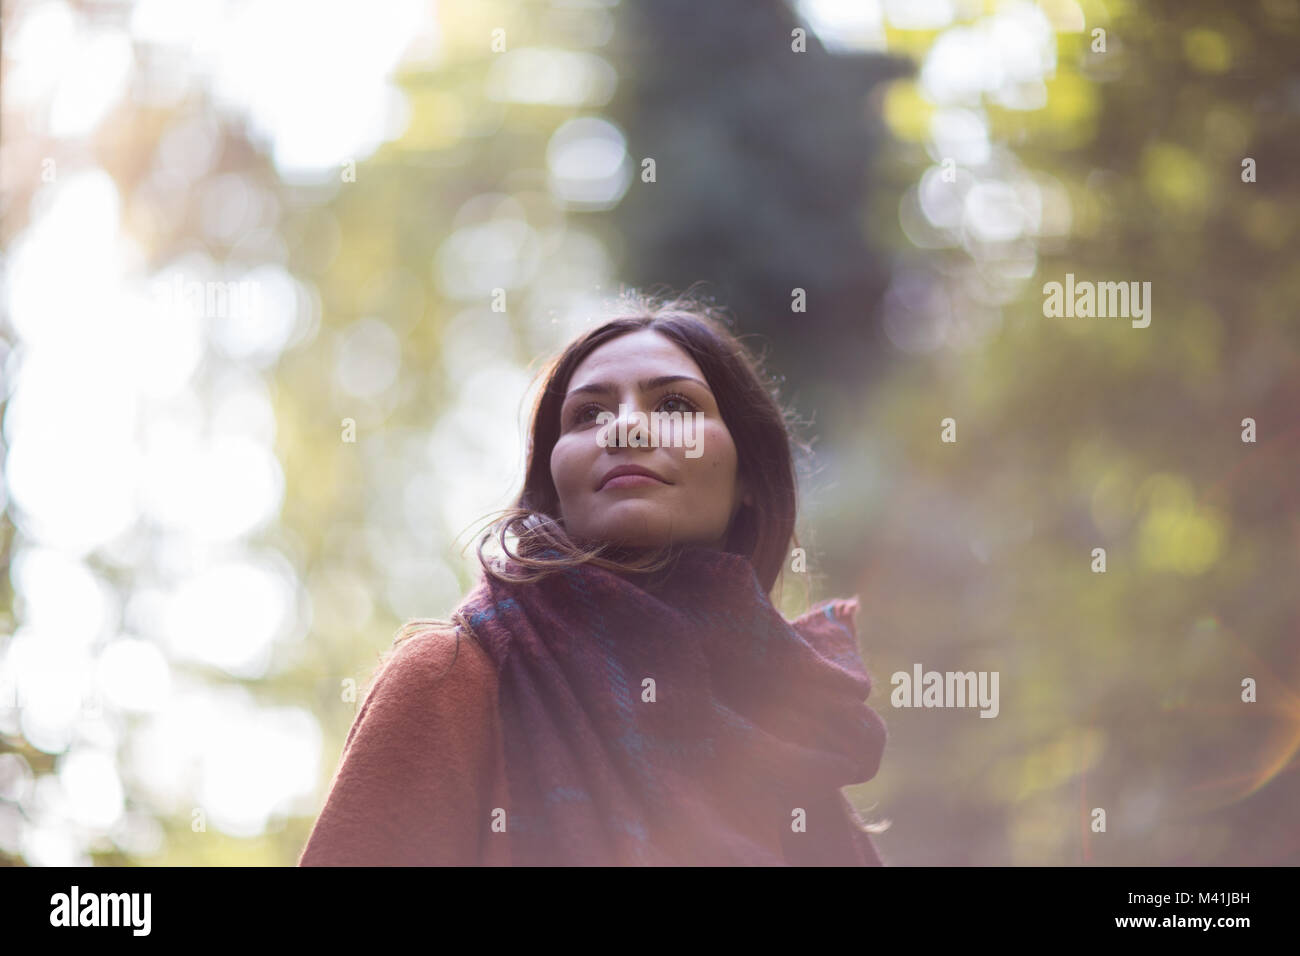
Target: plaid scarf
(676, 718)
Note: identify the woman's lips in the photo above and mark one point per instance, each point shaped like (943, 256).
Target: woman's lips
(630, 481)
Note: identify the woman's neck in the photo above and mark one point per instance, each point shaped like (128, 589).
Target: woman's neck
(649, 578)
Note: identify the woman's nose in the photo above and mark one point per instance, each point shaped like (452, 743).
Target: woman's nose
(630, 427)
(629, 411)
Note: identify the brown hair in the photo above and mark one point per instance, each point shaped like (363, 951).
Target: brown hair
(763, 432)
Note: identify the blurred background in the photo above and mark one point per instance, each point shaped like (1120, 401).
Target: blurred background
(277, 276)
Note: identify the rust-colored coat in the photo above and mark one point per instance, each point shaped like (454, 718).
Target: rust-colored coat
(423, 766)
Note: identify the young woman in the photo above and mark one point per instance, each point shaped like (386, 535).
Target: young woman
(619, 689)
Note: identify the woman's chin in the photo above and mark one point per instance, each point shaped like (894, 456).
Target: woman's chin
(632, 539)
(635, 527)
(639, 525)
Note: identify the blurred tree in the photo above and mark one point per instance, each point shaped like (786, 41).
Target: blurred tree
(1120, 690)
(763, 157)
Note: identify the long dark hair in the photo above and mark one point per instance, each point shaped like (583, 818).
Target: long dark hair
(763, 431)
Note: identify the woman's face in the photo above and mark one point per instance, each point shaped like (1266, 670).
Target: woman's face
(696, 493)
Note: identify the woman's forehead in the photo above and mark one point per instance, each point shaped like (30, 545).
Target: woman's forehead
(637, 352)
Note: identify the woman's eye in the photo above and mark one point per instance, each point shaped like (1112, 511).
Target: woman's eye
(590, 413)
(580, 416)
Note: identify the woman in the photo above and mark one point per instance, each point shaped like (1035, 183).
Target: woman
(619, 688)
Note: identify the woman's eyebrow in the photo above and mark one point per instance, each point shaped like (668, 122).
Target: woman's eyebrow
(646, 384)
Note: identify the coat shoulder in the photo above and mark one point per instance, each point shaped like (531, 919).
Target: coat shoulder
(434, 654)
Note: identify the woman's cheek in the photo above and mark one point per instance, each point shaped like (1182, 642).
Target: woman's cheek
(563, 471)
(720, 451)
